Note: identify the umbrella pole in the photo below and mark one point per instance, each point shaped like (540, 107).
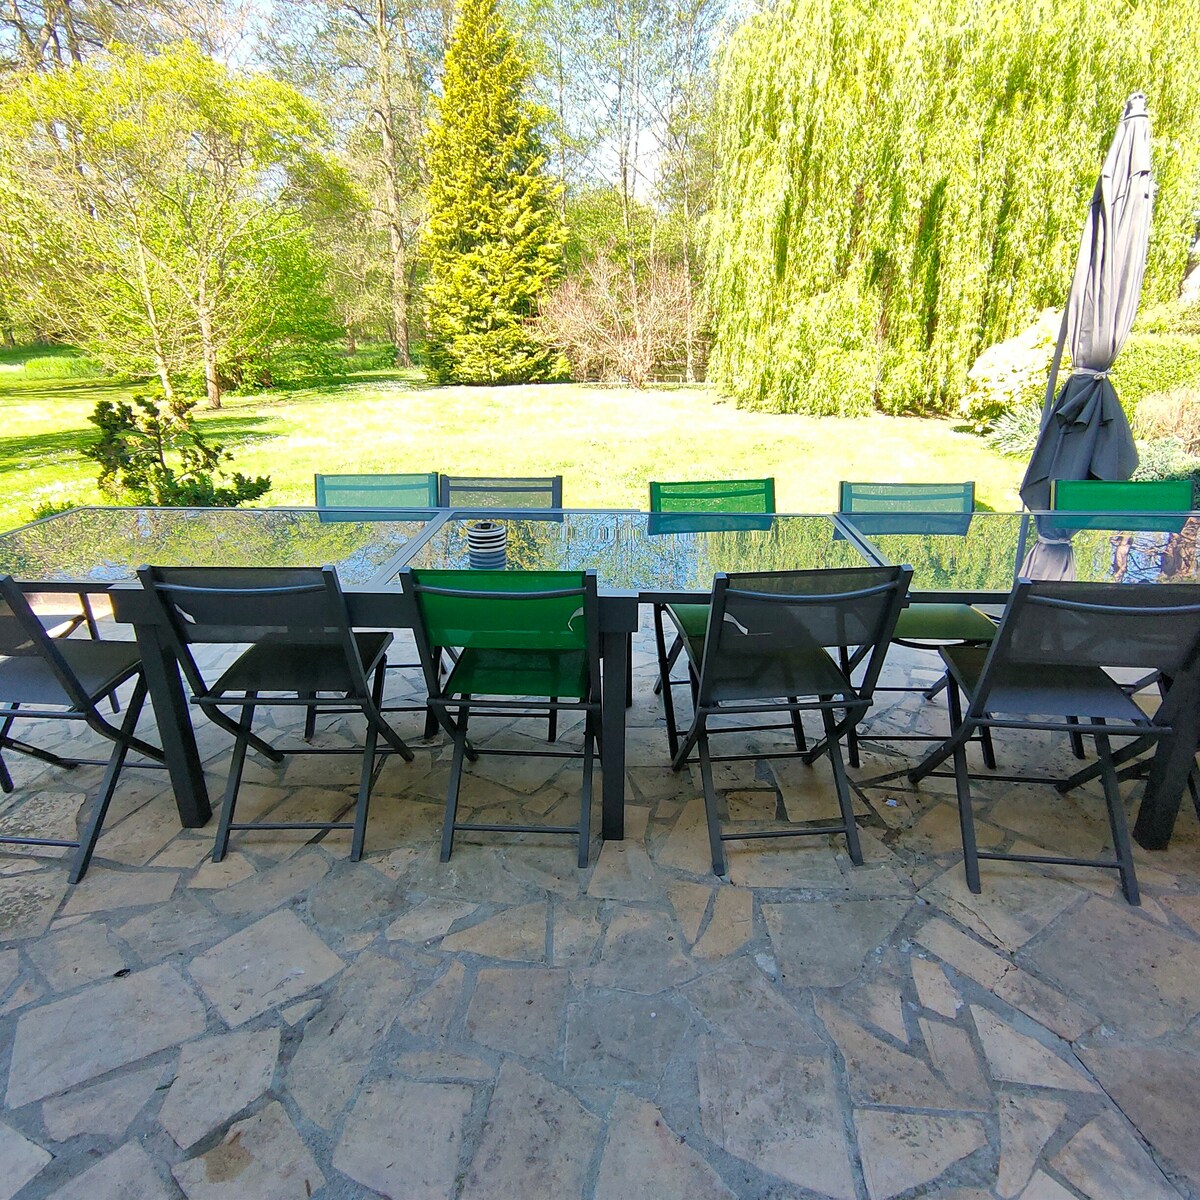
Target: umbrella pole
(1052, 382)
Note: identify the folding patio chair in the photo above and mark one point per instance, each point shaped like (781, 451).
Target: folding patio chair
(766, 649)
(923, 625)
(742, 496)
(457, 491)
(376, 491)
(521, 636)
(1048, 660)
(301, 645)
(46, 678)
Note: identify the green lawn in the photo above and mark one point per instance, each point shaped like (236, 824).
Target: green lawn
(606, 442)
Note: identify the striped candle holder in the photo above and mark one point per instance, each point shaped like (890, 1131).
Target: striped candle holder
(487, 545)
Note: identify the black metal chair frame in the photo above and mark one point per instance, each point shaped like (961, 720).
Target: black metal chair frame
(454, 713)
(853, 700)
(1025, 602)
(77, 705)
(174, 587)
(551, 485)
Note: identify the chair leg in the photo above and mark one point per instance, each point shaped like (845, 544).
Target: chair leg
(1076, 740)
(585, 803)
(456, 766)
(91, 831)
(664, 680)
(798, 727)
(710, 802)
(237, 763)
(962, 786)
(89, 619)
(552, 725)
(365, 780)
(985, 744)
(842, 787)
(310, 722)
(376, 720)
(852, 732)
(930, 692)
(1116, 819)
(6, 780)
(629, 670)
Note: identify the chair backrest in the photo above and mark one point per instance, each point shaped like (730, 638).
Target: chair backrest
(758, 620)
(1149, 626)
(1121, 496)
(22, 636)
(296, 606)
(713, 495)
(906, 497)
(504, 610)
(376, 491)
(457, 491)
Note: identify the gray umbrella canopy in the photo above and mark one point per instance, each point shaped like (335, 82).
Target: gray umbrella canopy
(1084, 431)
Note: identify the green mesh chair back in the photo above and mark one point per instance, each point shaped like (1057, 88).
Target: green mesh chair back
(922, 508)
(499, 492)
(1121, 496)
(713, 496)
(377, 491)
(767, 630)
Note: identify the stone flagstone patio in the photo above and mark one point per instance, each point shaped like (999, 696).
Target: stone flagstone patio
(287, 1024)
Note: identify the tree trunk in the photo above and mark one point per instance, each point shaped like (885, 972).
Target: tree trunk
(208, 346)
(160, 358)
(351, 342)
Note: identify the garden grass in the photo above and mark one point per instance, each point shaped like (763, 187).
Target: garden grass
(607, 442)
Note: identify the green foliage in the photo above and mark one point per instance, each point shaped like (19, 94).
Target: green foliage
(150, 452)
(1155, 362)
(51, 508)
(1167, 458)
(1015, 431)
(493, 240)
(903, 182)
(63, 366)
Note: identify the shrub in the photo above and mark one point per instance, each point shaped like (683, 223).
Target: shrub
(1167, 458)
(63, 366)
(1174, 414)
(1015, 431)
(51, 508)
(1155, 362)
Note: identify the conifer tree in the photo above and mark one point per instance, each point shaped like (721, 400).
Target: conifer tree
(494, 238)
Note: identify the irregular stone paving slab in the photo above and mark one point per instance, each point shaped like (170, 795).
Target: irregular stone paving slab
(261, 1157)
(27, 903)
(777, 1110)
(349, 900)
(1090, 950)
(879, 1004)
(403, 1139)
(731, 925)
(1025, 1127)
(624, 872)
(690, 902)
(1186, 908)
(10, 967)
(644, 1157)
(1046, 1005)
(574, 932)
(75, 956)
(101, 890)
(1043, 1187)
(904, 1150)
(1017, 1058)
(125, 1173)
(429, 920)
(622, 1038)
(442, 1066)
(335, 1052)
(934, 990)
(1013, 906)
(429, 1014)
(267, 964)
(217, 1077)
(963, 953)
(261, 892)
(1106, 1162)
(212, 876)
(516, 933)
(686, 846)
(739, 1001)
(182, 924)
(1148, 1084)
(640, 954)
(44, 814)
(20, 1161)
(25, 994)
(519, 1011)
(800, 863)
(537, 1141)
(140, 836)
(104, 1109)
(879, 1073)
(824, 944)
(103, 1027)
(477, 873)
(954, 1059)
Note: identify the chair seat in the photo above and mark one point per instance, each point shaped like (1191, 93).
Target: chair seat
(99, 666)
(690, 619)
(1033, 689)
(484, 672)
(921, 622)
(274, 665)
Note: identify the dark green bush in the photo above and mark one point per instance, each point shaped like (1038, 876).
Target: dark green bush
(1155, 362)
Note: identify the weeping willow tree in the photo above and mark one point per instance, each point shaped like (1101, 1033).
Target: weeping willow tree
(903, 182)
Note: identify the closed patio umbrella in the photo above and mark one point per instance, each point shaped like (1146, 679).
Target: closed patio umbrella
(1085, 434)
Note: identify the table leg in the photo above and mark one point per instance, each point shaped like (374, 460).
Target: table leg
(174, 720)
(1169, 771)
(614, 650)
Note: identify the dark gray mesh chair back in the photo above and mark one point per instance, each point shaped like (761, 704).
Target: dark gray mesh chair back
(376, 491)
(767, 632)
(1102, 625)
(31, 650)
(499, 492)
(17, 639)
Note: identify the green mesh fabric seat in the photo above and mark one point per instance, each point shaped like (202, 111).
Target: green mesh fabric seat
(767, 649)
(742, 496)
(376, 491)
(921, 626)
(526, 644)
